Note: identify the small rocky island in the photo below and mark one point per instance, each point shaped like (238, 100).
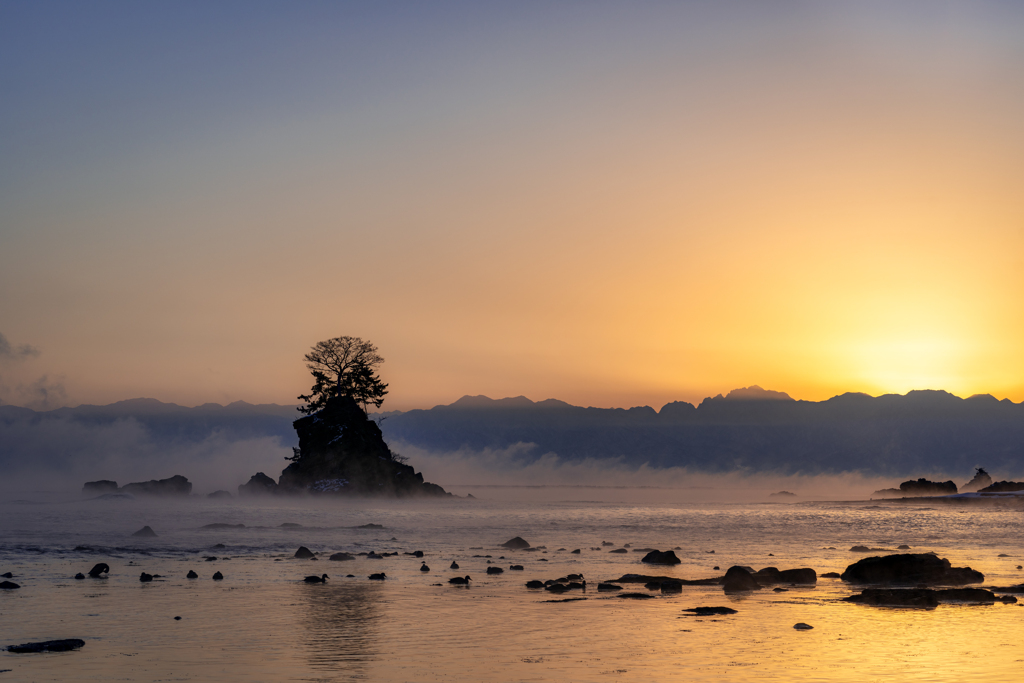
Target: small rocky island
(341, 450)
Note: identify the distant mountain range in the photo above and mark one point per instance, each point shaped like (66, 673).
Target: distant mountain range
(923, 433)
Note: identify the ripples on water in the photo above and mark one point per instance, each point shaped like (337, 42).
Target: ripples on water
(262, 623)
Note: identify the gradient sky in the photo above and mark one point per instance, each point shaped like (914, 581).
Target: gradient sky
(613, 204)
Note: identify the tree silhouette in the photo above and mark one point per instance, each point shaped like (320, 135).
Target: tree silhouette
(344, 366)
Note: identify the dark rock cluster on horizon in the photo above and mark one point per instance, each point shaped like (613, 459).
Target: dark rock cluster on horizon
(172, 486)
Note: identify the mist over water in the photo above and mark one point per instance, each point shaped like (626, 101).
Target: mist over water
(263, 623)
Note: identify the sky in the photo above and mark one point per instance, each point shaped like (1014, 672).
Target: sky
(613, 204)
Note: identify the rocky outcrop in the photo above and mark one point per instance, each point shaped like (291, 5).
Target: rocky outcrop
(173, 486)
(1003, 487)
(661, 557)
(910, 569)
(342, 452)
(981, 480)
(259, 484)
(923, 487)
(98, 488)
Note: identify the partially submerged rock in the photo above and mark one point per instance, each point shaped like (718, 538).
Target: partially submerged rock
(98, 488)
(145, 532)
(738, 580)
(709, 611)
(65, 645)
(771, 575)
(661, 557)
(341, 557)
(259, 484)
(8, 585)
(517, 543)
(303, 553)
(172, 486)
(910, 569)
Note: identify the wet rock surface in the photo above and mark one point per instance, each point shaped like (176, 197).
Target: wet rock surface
(738, 580)
(517, 543)
(661, 557)
(910, 569)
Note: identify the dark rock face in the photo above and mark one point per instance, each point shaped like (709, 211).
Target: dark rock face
(65, 645)
(174, 486)
(1003, 487)
(981, 480)
(738, 579)
(145, 532)
(923, 487)
(910, 569)
(517, 543)
(341, 557)
(661, 557)
(259, 484)
(98, 488)
(341, 451)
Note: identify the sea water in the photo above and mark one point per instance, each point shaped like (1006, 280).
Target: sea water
(262, 622)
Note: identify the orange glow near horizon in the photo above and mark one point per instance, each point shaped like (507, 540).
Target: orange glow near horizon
(639, 209)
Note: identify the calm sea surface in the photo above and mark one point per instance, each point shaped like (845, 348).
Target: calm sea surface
(262, 623)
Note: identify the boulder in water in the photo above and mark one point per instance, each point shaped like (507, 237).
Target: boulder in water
(661, 557)
(303, 553)
(98, 488)
(910, 569)
(341, 557)
(218, 576)
(172, 486)
(738, 579)
(259, 484)
(191, 575)
(710, 611)
(8, 585)
(517, 543)
(145, 532)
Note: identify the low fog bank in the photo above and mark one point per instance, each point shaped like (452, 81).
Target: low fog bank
(518, 473)
(59, 455)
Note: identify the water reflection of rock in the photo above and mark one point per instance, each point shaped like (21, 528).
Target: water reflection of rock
(341, 620)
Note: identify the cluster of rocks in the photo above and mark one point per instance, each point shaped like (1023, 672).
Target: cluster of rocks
(172, 486)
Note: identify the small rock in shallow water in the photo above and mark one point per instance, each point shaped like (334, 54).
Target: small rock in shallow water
(575, 552)
(378, 577)
(145, 532)
(191, 575)
(177, 618)
(802, 626)
(517, 543)
(218, 576)
(707, 611)
(79, 575)
(8, 575)
(341, 557)
(601, 587)
(661, 557)
(8, 585)
(65, 645)
(535, 584)
(303, 553)
(516, 568)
